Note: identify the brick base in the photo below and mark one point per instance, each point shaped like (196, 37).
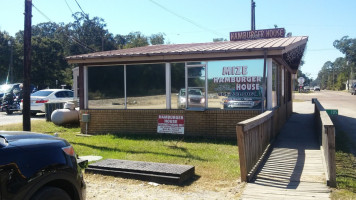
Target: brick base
(209, 123)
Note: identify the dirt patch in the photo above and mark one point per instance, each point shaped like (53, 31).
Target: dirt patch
(107, 187)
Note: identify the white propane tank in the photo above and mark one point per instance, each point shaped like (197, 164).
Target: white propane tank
(65, 116)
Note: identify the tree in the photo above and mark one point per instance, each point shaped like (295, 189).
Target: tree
(88, 35)
(348, 47)
(4, 55)
(156, 39)
(135, 39)
(48, 63)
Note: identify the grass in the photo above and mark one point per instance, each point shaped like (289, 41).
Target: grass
(214, 160)
(345, 168)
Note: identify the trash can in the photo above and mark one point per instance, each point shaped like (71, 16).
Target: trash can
(50, 107)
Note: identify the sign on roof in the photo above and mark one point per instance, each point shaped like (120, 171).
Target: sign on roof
(257, 34)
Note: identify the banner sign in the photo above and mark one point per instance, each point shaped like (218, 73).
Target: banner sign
(173, 124)
(257, 34)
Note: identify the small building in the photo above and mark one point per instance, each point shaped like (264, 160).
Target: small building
(211, 86)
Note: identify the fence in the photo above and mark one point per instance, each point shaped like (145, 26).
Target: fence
(326, 132)
(254, 138)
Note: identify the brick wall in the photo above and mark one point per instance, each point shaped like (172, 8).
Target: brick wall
(209, 123)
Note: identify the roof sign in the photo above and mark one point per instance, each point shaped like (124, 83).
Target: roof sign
(257, 34)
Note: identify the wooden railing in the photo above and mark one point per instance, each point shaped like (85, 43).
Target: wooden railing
(254, 137)
(326, 132)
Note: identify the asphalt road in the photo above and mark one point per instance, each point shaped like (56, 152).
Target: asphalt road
(344, 102)
(16, 118)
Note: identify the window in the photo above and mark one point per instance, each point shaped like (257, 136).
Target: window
(42, 93)
(106, 87)
(235, 84)
(177, 85)
(282, 85)
(146, 86)
(60, 94)
(274, 84)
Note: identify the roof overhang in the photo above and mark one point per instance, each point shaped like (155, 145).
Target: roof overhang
(288, 51)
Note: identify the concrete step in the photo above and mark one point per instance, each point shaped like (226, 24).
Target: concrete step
(147, 171)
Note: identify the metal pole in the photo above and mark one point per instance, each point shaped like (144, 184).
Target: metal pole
(27, 67)
(253, 25)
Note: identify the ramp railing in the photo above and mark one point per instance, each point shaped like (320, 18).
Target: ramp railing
(326, 131)
(254, 138)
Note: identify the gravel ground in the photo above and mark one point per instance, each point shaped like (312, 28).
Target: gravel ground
(111, 188)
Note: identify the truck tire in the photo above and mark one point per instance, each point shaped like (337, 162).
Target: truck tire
(51, 193)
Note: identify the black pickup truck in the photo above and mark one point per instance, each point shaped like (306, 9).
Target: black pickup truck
(36, 166)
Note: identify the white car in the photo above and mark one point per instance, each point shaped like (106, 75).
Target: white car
(39, 98)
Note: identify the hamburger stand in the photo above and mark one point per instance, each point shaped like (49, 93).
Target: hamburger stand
(198, 89)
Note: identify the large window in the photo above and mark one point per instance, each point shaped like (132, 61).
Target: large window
(235, 84)
(232, 84)
(106, 87)
(177, 85)
(274, 84)
(146, 87)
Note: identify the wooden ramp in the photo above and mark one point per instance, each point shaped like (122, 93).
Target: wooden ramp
(294, 169)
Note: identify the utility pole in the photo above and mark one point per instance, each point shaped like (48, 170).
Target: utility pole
(26, 115)
(253, 25)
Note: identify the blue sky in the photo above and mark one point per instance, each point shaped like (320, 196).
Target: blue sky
(193, 21)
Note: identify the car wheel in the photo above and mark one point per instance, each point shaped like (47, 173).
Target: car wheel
(51, 193)
(9, 112)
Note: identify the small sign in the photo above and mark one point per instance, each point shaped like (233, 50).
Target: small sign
(301, 84)
(173, 124)
(301, 80)
(257, 34)
(332, 112)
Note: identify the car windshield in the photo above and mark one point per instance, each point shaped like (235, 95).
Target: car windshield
(191, 92)
(42, 93)
(5, 88)
(194, 92)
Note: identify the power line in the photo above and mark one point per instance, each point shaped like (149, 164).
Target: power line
(45, 16)
(185, 18)
(80, 8)
(73, 38)
(69, 7)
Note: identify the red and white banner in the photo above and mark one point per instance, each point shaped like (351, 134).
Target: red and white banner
(173, 124)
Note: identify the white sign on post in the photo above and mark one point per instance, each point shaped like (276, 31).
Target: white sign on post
(301, 81)
(173, 124)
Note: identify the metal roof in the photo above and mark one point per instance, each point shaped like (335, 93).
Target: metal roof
(196, 51)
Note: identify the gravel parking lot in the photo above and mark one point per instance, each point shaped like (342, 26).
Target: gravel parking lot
(111, 188)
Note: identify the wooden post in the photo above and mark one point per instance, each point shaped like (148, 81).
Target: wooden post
(331, 153)
(242, 156)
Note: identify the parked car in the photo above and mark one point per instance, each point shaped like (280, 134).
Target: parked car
(39, 98)
(353, 89)
(306, 88)
(39, 166)
(195, 98)
(243, 99)
(316, 88)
